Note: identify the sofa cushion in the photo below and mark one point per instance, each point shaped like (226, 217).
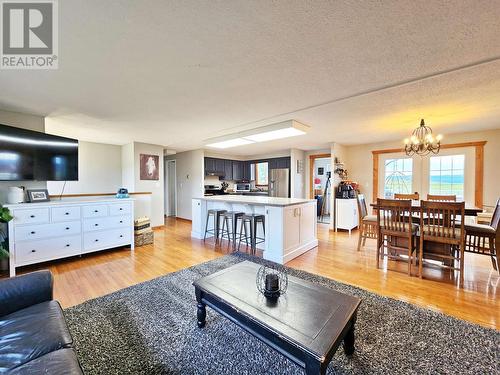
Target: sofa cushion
(32, 332)
(60, 362)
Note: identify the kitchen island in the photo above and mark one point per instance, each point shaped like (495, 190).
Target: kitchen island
(290, 224)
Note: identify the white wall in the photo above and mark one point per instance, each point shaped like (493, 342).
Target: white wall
(190, 179)
(297, 180)
(99, 170)
(360, 162)
(24, 121)
(131, 179)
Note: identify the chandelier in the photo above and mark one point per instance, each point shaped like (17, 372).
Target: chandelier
(422, 142)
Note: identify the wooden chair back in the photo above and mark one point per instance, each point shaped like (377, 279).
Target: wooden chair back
(495, 219)
(442, 221)
(442, 198)
(362, 210)
(393, 216)
(413, 196)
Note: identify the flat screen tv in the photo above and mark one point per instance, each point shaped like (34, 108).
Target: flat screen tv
(27, 155)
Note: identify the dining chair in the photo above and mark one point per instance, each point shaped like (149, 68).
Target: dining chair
(395, 231)
(439, 223)
(367, 223)
(415, 196)
(485, 239)
(441, 198)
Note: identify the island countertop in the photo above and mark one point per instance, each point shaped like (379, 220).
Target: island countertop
(256, 200)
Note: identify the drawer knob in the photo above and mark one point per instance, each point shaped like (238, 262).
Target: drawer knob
(121, 221)
(96, 240)
(67, 245)
(96, 224)
(66, 213)
(33, 251)
(33, 232)
(96, 211)
(121, 235)
(32, 216)
(121, 209)
(67, 228)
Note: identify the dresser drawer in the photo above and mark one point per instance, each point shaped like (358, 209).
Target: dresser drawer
(124, 208)
(31, 216)
(97, 210)
(42, 250)
(102, 223)
(38, 231)
(106, 239)
(65, 214)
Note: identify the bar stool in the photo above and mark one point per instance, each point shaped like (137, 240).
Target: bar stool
(253, 220)
(230, 218)
(215, 230)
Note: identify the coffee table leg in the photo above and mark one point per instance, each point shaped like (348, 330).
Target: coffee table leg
(201, 312)
(349, 339)
(315, 368)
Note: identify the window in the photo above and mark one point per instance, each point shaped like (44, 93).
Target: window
(398, 176)
(261, 174)
(447, 175)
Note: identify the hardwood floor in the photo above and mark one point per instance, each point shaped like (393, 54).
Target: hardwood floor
(93, 275)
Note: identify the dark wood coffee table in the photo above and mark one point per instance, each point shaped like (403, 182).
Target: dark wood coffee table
(306, 325)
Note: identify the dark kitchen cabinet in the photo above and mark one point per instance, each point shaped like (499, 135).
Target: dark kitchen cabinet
(228, 170)
(279, 163)
(219, 165)
(245, 166)
(237, 170)
(209, 165)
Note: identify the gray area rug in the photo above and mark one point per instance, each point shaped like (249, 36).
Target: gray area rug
(150, 328)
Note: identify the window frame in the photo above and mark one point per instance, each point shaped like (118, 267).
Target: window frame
(257, 182)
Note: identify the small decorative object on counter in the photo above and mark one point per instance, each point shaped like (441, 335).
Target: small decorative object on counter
(272, 281)
(122, 193)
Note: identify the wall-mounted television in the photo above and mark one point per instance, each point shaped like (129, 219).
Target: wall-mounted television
(27, 155)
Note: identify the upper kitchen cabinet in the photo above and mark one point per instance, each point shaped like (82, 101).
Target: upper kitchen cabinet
(209, 165)
(279, 163)
(228, 170)
(246, 170)
(238, 170)
(219, 165)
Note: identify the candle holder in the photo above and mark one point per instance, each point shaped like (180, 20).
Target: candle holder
(272, 281)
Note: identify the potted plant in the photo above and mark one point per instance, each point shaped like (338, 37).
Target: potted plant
(5, 217)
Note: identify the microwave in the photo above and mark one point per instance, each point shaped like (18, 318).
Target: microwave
(242, 187)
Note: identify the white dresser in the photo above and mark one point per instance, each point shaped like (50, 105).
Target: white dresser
(346, 214)
(41, 232)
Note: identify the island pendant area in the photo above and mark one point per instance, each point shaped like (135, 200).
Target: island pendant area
(290, 223)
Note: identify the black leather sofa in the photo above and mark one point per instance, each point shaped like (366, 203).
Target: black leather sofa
(34, 338)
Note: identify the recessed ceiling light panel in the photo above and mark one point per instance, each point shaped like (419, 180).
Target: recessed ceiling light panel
(266, 133)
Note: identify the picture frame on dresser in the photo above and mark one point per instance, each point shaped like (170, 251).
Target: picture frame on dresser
(38, 195)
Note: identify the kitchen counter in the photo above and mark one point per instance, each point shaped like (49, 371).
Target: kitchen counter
(290, 223)
(258, 200)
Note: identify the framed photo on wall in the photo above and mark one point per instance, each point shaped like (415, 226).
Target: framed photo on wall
(38, 195)
(149, 167)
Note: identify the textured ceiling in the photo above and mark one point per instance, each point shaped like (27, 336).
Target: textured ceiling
(176, 73)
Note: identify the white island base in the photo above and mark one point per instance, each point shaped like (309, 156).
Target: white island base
(290, 223)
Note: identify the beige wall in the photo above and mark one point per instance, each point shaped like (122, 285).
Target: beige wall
(359, 162)
(99, 170)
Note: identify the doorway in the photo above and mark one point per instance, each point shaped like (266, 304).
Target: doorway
(320, 184)
(170, 188)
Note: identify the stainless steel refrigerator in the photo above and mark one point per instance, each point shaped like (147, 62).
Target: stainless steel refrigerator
(279, 182)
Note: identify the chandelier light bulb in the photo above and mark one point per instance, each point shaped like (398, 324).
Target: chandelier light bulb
(422, 142)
